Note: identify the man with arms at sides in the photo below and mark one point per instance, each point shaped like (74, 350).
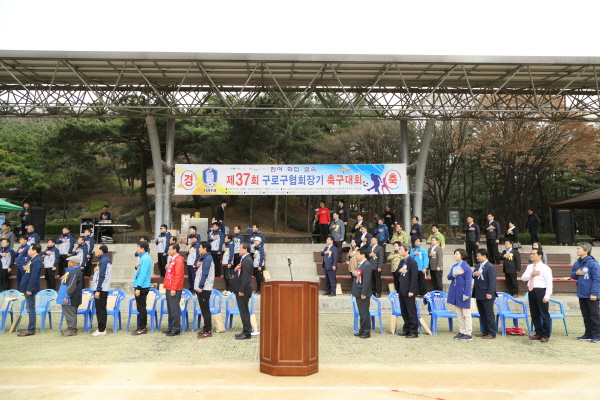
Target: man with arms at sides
(400, 235)
(173, 289)
(323, 219)
(376, 255)
(338, 233)
(416, 231)
(365, 237)
(162, 243)
(539, 286)
(51, 258)
(141, 283)
(511, 263)
(356, 229)
(8, 260)
(330, 265)
(203, 286)
(65, 243)
(472, 235)
(587, 272)
(533, 224)
(30, 285)
(238, 239)
(220, 216)
(227, 262)
(361, 290)
(492, 238)
(242, 287)
(101, 286)
(407, 292)
(484, 292)
(69, 295)
(258, 252)
(436, 264)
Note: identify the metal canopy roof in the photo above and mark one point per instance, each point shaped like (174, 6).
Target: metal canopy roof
(91, 84)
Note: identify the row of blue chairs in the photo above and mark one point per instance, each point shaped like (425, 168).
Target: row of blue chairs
(437, 307)
(45, 297)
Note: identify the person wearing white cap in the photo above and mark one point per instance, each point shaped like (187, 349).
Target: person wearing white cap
(259, 262)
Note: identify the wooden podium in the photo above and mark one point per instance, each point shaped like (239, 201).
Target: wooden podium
(289, 328)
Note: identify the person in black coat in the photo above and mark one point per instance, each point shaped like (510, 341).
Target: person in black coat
(389, 219)
(533, 224)
(472, 237)
(484, 292)
(512, 233)
(511, 264)
(408, 288)
(416, 231)
(356, 229)
(220, 216)
(242, 287)
(361, 290)
(492, 238)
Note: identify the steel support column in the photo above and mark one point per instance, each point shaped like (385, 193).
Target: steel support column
(421, 168)
(158, 174)
(404, 159)
(169, 156)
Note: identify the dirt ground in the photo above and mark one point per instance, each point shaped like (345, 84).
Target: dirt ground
(243, 380)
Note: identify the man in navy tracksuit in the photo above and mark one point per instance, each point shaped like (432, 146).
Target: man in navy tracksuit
(22, 258)
(7, 262)
(30, 285)
(65, 243)
(215, 238)
(259, 263)
(203, 286)
(256, 232)
(82, 252)
(90, 242)
(162, 241)
(51, 259)
(587, 272)
(32, 237)
(227, 262)
(238, 239)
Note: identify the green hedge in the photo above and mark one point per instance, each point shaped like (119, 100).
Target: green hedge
(546, 239)
(55, 228)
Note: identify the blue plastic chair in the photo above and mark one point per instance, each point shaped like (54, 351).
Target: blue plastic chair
(216, 305)
(152, 311)
(372, 313)
(8, 297)
(230, 312)
(86, 312)
(439, 310)
(559, 315)
(504, 312)
(44, 299)
(397, 312)
(115, 312)
(186, 295)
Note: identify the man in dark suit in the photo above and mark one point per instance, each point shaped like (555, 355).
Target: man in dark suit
(376, 255)
(356, 229)
(492, 238)
(242, 287)
(330, 254)
(364, 238)
(484, 292)
(472, 235)
(511, 264)
(30, 285)
(416, 231)
(220, 215)
(436, 264)
(533, 224)
(361, 290)
(408, 289)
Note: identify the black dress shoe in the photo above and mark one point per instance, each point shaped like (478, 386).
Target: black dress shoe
(365, 335)
(166, 331)
(378, 295)
(173, 333)
(411, 336)
(403, 334)
(358, 333)
(242, 337)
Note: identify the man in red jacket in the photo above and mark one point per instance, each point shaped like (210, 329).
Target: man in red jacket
(174, 287)
(324, 219)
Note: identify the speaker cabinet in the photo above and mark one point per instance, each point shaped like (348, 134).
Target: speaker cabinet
(37, 218)
(564, 226)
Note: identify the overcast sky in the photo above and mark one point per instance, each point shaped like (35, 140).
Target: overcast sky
(524, 27)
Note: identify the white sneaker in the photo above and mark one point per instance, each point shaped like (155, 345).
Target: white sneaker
(98, 333)
(226, 293)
